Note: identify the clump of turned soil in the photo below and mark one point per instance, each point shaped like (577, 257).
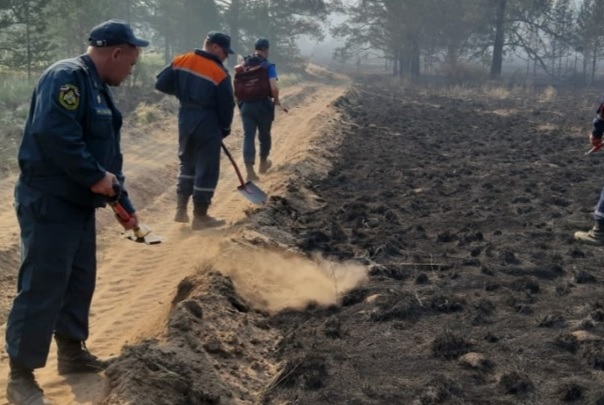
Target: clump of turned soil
(216, 350)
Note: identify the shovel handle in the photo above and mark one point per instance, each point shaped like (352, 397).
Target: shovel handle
(595, 149)
(226, 151)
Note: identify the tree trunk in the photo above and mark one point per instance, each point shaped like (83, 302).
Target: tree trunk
(554, 57)
(402, 68)
(594, 61)
(497, 61)
(234, 31)
(28, 39)
(396, 61)
(129, 11)
(415, 60)
(167, 55)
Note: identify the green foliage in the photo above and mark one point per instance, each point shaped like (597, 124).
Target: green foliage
(401, 31)
(283, 22)
(15, 92)
(149, 65)
(70, 23)
(32, 45)
(181, 25)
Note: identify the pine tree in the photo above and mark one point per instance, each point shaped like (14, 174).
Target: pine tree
(182, 25)
(32, 47)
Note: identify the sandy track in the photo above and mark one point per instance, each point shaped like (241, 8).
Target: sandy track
(136, 282)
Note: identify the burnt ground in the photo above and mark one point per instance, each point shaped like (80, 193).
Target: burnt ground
(462, 204)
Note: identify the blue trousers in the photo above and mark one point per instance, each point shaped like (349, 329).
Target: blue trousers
(256, 116)
(56, 278)
(599, 209)
(199, 155)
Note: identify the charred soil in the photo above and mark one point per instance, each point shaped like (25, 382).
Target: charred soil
(462, 206)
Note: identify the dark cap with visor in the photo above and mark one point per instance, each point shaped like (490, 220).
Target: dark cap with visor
(114, 32)
(221, 39)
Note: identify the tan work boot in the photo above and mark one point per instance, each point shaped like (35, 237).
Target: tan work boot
(251, 174)
(201, 219)
(595, 236)
(182, 201)
(73, 357)
(22, 388)
(265, 164)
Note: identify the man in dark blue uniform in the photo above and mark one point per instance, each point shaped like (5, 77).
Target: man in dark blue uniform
(258, 115)
(203, 86)
(70, 158)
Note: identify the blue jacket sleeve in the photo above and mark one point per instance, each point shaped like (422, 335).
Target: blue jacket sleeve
(165, 81)
(226, 103)
(61, 97)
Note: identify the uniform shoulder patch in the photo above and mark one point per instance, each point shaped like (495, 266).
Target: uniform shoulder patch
(69, 96)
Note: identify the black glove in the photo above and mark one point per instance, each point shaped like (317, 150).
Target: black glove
(226, 132)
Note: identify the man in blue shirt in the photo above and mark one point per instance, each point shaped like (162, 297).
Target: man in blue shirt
(258, 115)
(70, 160)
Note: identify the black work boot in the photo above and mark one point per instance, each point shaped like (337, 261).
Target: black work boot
(22, 388)
(182, 201)
(265, 164)
(201, 219)
(595, 236)
(251, 174)
(73, 357)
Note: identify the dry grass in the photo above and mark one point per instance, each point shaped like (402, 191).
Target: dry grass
(489, 91)
(145, 114)
(548, 95)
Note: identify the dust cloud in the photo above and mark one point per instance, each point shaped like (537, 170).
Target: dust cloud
(273, 280)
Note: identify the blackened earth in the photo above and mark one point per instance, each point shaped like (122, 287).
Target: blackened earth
(462, 203)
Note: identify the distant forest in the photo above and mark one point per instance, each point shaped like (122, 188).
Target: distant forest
(561, 38)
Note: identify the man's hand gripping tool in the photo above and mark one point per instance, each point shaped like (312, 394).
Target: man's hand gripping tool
(140, 233)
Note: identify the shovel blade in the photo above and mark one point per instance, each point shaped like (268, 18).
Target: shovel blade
(142, 234)
(253, 193)
(149, 239)
(153, 239)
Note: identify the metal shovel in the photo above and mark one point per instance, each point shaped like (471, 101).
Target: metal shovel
(142, 234)
(249, 190)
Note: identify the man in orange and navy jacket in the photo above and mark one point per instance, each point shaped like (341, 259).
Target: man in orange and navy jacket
(203, 86)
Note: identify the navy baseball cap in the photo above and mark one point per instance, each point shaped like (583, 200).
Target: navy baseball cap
(114, 32)
(261, 43)
(221, 39)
